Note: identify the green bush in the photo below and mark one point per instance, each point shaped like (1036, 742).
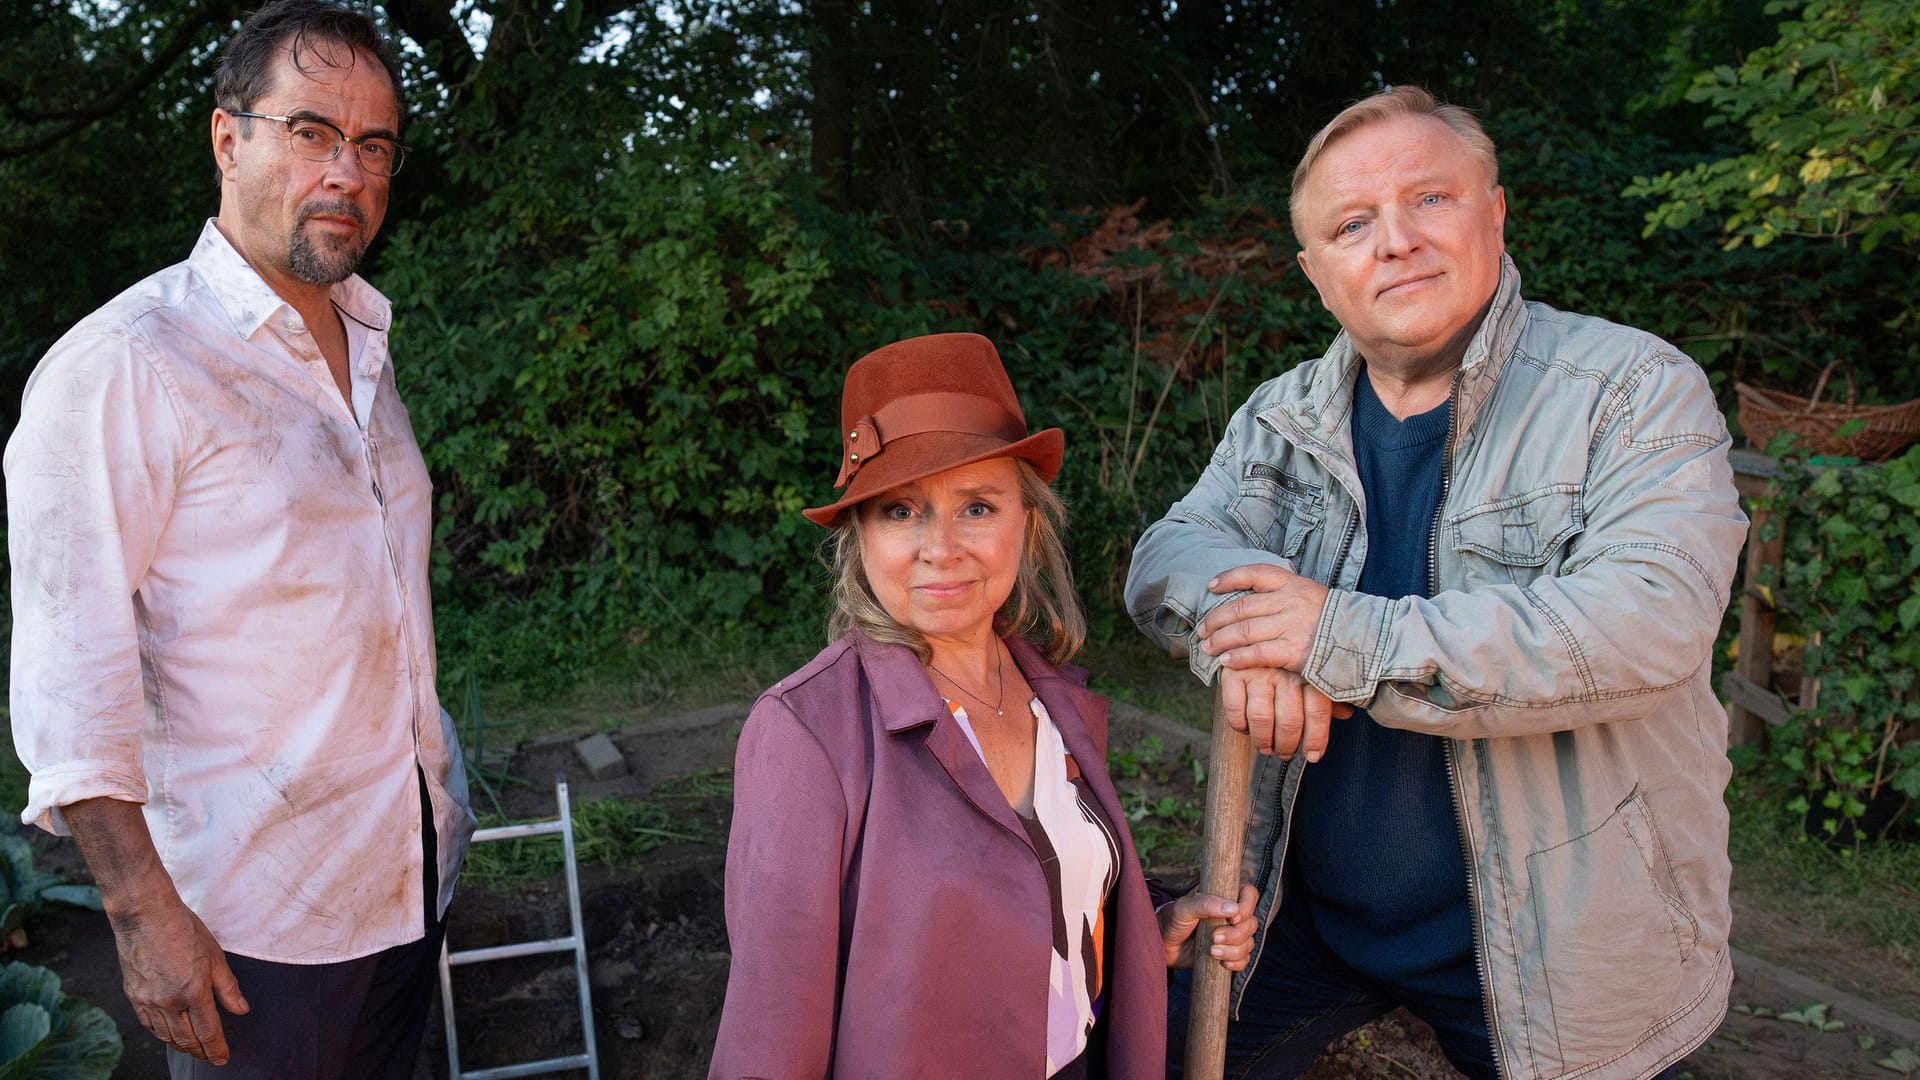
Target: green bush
(1851, 583)
(608, 361)
(622, 344)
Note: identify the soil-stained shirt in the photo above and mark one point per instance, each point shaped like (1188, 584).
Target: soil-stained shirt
(221, 610)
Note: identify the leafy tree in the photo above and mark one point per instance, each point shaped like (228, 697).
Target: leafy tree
(1832, 118)
(640, 242)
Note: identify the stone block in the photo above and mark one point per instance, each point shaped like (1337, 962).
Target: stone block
(600, 757)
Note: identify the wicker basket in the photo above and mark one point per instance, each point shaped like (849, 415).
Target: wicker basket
(1887, 430)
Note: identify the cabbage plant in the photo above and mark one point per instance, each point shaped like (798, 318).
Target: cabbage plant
(48, 1035)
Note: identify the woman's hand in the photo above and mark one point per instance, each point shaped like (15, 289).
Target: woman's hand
(1232, 942)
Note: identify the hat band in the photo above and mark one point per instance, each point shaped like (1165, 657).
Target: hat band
(919, 414)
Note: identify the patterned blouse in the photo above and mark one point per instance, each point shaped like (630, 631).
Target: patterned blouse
(1081, 857)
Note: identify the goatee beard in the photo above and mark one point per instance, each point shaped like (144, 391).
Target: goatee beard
(325, 265)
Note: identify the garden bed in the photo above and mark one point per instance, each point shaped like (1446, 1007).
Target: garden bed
(657, 942)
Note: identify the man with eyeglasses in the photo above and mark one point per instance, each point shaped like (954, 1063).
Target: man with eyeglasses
(223, 662)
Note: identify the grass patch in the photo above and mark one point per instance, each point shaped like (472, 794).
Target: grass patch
(633, 684)
(611, 832)
(1871, 896)
(1127, 667)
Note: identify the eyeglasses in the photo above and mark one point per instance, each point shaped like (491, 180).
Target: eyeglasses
(317, 140)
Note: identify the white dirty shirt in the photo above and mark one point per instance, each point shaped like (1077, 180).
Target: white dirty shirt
(221, 610)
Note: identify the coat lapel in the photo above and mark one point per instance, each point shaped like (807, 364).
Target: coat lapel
(905, 700)
(956, 755)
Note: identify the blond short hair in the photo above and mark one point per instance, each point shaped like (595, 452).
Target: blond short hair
(1398, 101)
(1043, 607)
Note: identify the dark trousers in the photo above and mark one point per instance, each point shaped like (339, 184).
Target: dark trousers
(353, 1020)
(1301, 998)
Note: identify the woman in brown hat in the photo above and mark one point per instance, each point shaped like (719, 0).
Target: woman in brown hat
(930, 874)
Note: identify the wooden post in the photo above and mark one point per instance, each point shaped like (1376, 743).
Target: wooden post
(1750, 688)
(1229, 773)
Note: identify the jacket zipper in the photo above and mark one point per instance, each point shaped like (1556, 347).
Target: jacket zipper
(1453, 745)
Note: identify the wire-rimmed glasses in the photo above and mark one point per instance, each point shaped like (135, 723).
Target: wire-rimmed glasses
(317, 140)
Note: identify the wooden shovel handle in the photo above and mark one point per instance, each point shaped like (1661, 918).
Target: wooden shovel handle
(1229, 772)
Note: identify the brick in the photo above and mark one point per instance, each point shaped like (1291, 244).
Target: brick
(601, 758)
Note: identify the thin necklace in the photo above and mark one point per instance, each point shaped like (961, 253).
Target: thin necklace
(999, 682)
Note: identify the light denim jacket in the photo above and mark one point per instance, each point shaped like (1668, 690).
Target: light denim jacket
(1582, 557)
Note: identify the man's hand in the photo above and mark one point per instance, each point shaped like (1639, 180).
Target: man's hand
(1281, 711)
(174, 972)
(172, 969)
(1262, 639)
(1271, 626)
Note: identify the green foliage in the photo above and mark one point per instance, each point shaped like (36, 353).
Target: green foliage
(1774, 316)
(24, 891)
(1812, 1016)
(604, 367)
(1832, 118)
(72, 195)
(1160, 798)
(48, 1035)
(1902, 1060)
(639, 245)
(1851, 574)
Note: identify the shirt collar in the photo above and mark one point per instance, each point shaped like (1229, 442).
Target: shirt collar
(251, 303)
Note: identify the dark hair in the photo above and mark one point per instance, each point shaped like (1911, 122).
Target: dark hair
(297, 26)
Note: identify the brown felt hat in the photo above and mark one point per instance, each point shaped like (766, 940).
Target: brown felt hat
(925, 405)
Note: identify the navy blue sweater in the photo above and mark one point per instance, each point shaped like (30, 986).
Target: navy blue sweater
(1375, 865)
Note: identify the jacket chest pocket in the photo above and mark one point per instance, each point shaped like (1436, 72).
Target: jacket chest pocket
(1278, 510)
(1515, 539)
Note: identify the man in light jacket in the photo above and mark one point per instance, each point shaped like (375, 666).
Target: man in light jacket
(1461, 578)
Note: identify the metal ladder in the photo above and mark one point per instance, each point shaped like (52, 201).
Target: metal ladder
(575, 942)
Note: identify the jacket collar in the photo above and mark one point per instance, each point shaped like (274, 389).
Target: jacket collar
(1063, 690)
(903, 696)
(1322, 414)
(251, 303)
(904, 700)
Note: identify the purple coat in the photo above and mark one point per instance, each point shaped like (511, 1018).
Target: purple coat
(887, 913)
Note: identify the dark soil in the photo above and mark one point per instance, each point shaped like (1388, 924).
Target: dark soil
(657, 945)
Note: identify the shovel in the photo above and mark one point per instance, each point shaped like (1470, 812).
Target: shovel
(1229, 771)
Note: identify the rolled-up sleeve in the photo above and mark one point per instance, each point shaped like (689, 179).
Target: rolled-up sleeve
(783, 887)
(90, 471)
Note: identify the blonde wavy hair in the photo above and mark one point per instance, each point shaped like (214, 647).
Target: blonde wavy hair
(1043, 607)
(1398, 101)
